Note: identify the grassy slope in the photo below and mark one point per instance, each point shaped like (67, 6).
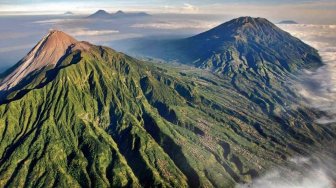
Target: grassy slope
(109, 120)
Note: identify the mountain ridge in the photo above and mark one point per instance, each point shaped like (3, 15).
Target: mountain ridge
(248, 36)
(104, 119)
(239, 37)
(102, 14)
(45, 54)
(257, 57)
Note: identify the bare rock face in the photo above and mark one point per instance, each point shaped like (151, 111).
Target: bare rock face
(45, 54)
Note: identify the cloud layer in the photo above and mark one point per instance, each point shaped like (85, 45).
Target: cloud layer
(88, 32)
(319, 87)
(301, 172)
(173, 25)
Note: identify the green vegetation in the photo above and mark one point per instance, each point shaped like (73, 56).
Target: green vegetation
(104, 119)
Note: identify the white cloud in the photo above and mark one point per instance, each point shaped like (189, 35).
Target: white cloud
(87, 32)
(190, 8)
(301, 172)
(319, 87)
(53, 21)
(186, 8)
(172, 25)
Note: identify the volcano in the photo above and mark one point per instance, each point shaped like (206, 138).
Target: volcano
(74, 114)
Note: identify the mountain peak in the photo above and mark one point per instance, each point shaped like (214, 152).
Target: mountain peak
(249, 22)
(46, 53)
(241, 45)
(100, 14)
(249, 19)
(120, 12)
(58, 36)
(242, 29)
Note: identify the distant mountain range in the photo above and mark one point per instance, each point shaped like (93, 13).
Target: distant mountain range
(73, 114)
(102, 14)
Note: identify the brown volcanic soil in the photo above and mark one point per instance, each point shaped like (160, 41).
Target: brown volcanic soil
(45, 54)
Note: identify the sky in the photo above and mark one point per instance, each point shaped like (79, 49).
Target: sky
(305, 11)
